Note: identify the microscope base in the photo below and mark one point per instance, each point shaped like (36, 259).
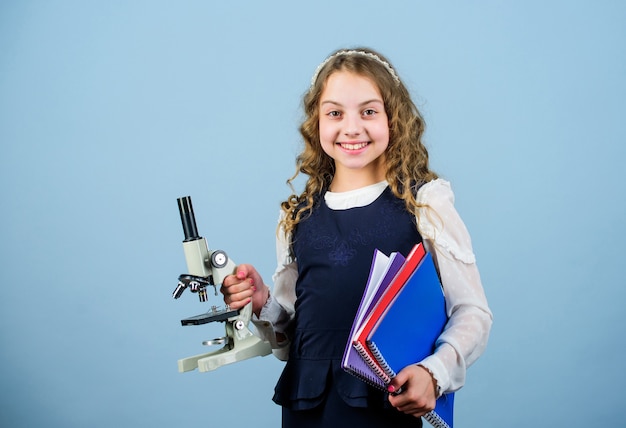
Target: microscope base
(248, 347)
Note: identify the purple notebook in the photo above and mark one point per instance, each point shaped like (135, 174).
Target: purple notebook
(382, 271)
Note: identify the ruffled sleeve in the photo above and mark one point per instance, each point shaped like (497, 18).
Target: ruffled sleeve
(278, 311)
(439, 223)
(447, 239)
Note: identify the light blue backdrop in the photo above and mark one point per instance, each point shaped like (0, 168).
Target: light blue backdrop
(111, 110)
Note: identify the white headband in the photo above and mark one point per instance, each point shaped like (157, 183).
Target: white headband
(355, 52)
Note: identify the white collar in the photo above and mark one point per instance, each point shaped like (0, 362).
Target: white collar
(355, 198)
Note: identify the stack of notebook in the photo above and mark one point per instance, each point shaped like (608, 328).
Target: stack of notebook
(401, 315)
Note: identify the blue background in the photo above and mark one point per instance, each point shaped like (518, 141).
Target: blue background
(109, 111)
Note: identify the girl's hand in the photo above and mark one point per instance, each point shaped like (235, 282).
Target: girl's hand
(418, 395)
(243, 287)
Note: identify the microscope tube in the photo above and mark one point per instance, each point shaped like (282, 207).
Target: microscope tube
(188, 219)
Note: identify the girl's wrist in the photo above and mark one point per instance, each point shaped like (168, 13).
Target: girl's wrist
(434, 380)
(261, 300)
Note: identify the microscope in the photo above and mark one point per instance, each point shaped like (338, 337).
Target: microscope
(209, 268)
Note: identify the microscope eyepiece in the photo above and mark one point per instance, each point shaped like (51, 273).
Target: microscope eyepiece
(188, 219)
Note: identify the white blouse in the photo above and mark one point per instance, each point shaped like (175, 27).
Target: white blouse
(447, 239)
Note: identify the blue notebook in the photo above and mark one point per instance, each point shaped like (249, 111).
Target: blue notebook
(408, 328)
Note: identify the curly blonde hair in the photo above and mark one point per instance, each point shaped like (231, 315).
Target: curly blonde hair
(406, 158)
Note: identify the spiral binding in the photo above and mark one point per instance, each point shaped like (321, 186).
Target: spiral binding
(366, 357)
(381, 360)
(367, 378)
(435, 420)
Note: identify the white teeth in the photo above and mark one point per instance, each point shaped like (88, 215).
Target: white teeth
(355, 146)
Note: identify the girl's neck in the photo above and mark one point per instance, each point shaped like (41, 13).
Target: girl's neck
(346, 182)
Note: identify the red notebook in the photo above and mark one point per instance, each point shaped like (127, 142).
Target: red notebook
(360, 342)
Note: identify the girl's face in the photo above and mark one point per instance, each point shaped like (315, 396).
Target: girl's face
(354, 130)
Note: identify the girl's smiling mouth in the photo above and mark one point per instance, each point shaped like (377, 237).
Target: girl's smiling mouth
(353, 146)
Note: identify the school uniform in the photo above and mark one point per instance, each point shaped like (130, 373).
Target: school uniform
(317, 291)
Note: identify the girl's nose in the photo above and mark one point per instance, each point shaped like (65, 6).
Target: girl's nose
(353, 125)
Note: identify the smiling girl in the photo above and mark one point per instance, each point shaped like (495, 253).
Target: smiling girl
(369, 187)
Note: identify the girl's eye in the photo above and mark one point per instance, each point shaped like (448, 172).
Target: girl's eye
(369, 112)
(334, 113)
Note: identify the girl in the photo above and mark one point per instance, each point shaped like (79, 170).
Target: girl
(369, 186)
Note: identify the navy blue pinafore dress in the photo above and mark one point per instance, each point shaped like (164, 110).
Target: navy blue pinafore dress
(334, 250)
